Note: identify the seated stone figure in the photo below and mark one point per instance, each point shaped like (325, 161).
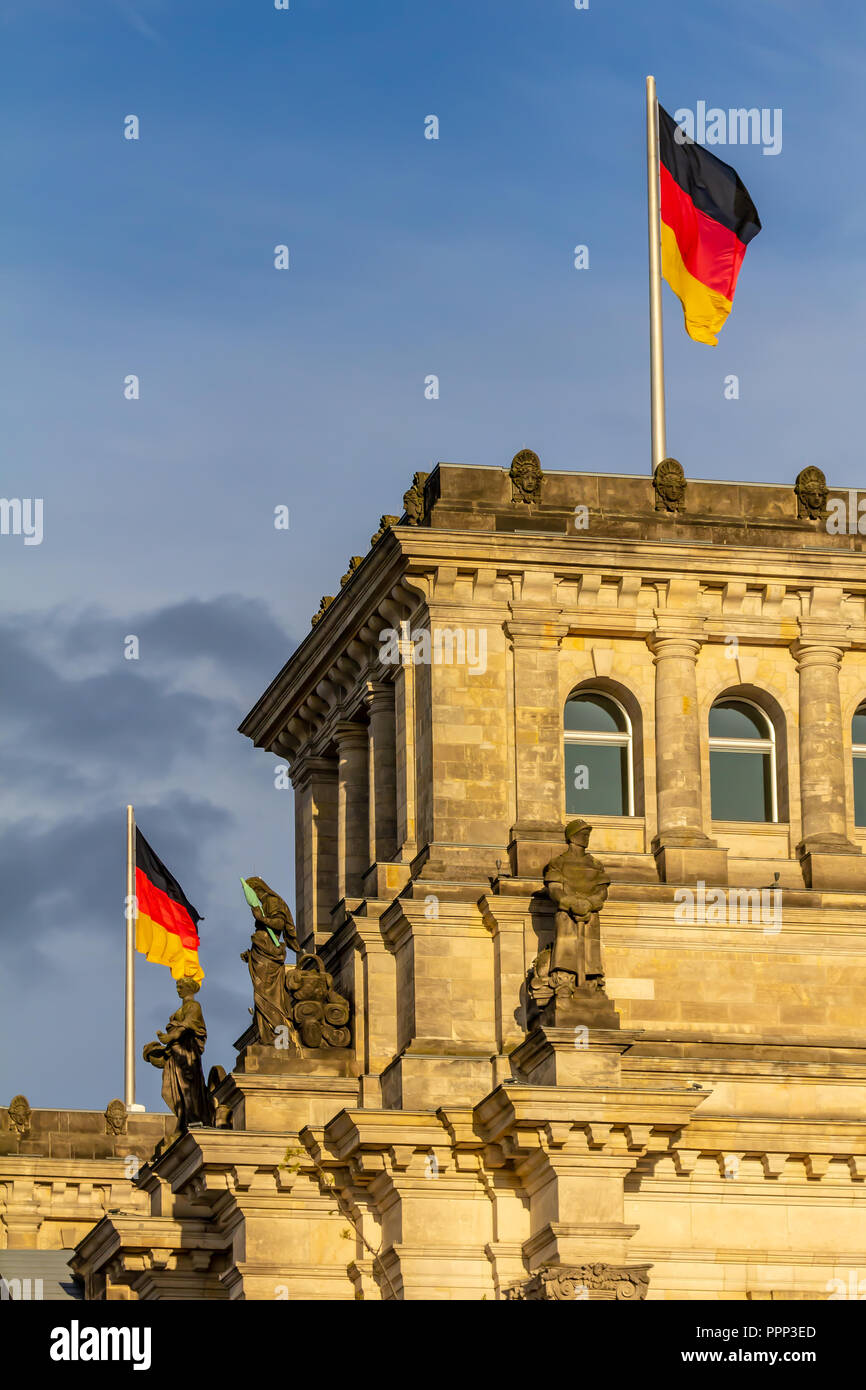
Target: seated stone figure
(296, 1006)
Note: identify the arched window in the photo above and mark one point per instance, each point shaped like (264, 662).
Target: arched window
(858, 739)
(742, 762)
(599, 771)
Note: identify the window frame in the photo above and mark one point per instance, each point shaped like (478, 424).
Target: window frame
(858, 750)
(720, 744)
(617, 740)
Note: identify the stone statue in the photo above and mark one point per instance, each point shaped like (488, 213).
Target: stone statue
(298, 999)
(578, 886)
(266, 960)
(669, 481)
(526, 477)
(811, 490)
(178, 1056)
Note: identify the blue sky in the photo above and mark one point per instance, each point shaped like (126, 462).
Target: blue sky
(306, 387)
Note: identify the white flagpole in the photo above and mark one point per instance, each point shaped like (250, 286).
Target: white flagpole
(657, 355)
(131, 914)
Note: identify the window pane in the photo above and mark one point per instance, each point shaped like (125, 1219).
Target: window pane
(858, 727)
(733, 719)
(596, 780)
(860, 791)
(594, 714)
(740, 786)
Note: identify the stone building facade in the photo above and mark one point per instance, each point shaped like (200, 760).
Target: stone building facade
(60, 1172)
(713, 1144)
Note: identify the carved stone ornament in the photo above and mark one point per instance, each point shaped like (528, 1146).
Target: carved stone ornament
(318, 1012)
(811, 490)
(570, 1283)
(327, 600)
(413, 500)
(526, 477)
(556, 1000)
(19, 1116)
(669, 481)
(385, 524)
(538, 983)
(354, 562)
(115, 1117)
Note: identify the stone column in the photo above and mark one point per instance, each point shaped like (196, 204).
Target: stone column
(383, 771)
(536, 635)
(404, 721)
(353, 808)
(682, 849)
(827, 856)
(389, 871)
(315, 783)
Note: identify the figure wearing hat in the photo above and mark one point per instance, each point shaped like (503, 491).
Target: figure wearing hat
(578, 887)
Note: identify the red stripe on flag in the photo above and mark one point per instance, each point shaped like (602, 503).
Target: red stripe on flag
(711, 253)
(159, 907)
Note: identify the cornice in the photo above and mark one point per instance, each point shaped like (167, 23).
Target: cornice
(451, 575)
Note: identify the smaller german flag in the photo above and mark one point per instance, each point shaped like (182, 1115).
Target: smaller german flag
(166, 927)
(708, 220)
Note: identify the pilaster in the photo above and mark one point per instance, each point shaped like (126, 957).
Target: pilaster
(353, 808)
(536, 632)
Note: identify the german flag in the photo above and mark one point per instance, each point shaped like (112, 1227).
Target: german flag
(708, 220)
(166, 927)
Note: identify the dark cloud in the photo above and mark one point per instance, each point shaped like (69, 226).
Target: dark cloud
(236, 633)
(83, 733)
(70, 873)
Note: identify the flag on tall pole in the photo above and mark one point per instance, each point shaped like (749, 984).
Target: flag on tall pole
(700, 221)
(166, 927)
(129, 913)
(657, 354)
(161, 923)
(707, 221)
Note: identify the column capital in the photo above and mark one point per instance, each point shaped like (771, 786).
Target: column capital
(675, 641)
(349, 731)
(379, 694)
(820, 644)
